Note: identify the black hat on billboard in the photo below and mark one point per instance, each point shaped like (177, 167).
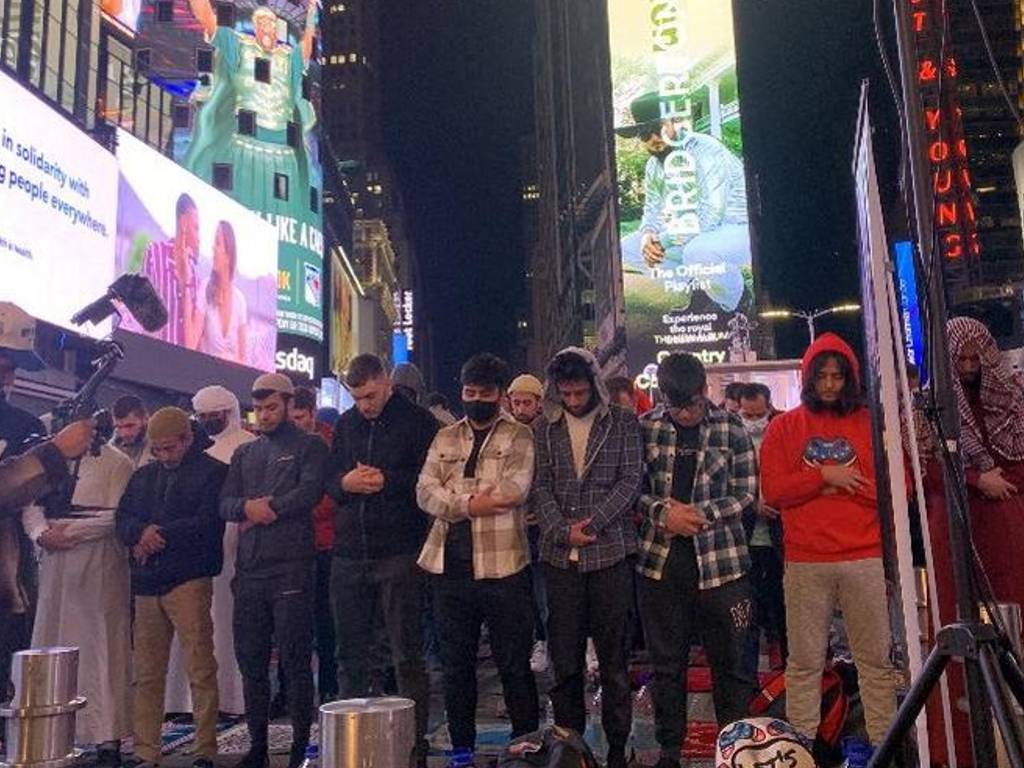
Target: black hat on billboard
(646, 112)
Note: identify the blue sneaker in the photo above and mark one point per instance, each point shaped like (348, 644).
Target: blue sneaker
(857, 753)
(460, 758)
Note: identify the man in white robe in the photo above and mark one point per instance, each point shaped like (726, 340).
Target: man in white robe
(85, 597)
(217, 409)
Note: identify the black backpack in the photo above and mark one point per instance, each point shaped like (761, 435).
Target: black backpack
(551, 747)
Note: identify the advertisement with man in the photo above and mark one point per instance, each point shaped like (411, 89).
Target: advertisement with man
(251, 76)
(684, 225)
(58, 197)
(211, 261)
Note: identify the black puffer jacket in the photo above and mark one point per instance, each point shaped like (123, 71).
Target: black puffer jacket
(389, 523)
(183, 503)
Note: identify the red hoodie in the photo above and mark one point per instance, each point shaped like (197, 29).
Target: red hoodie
(817, 527)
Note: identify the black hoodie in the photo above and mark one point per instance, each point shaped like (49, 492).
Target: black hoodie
(183, 502)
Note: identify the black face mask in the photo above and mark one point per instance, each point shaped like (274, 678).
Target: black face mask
(214, 426)
(480, 411)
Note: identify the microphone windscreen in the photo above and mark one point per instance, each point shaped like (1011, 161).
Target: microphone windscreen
(142, 301)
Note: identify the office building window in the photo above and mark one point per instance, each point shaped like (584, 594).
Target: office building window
(246, 122)
(181, 115)
(262, 70)
(223, 176)
(314, 200)
(204, 60)
(293, 134)
(281, 186)
(165, 11)
(225, 15)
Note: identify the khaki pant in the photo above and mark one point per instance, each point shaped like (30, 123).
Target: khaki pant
(812, 592)
(184, 611)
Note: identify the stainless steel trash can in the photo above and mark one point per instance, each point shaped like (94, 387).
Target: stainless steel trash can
(39, 724)
(367, 733)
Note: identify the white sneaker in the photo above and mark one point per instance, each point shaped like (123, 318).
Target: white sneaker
(592, 665)
(539, 658)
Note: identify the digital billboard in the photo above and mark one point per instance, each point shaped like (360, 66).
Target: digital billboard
(250, 76)
(58, 197)
(211, 260)
(684, 226)
(125, 13)
(343, 330)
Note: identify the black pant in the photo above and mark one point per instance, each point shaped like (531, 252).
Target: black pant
(769, 599)
(360, 591)
(672, 610)
(506, 605)
(596, 604)
(280, 609)
(15, 635)
(327, 664)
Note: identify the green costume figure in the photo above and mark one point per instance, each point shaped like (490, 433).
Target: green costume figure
(256, 73)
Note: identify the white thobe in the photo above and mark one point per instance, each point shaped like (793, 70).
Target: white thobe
(85, 598)
(229, 679)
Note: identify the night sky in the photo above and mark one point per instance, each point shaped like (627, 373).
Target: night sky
(458, 93)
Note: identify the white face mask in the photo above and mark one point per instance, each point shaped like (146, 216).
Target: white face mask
(7, 389)
(755, 426)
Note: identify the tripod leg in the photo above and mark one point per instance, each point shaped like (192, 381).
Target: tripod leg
(1012, 674)
(912, 705)
(1002, 712)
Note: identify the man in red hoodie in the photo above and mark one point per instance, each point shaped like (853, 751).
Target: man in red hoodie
(817, 467)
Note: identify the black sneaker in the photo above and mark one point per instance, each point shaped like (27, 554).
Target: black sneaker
(254, 759)
(616, 758)
(107, 757)
(202, 762)
(297, 755)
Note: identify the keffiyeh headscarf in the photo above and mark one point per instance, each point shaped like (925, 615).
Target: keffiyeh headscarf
(1001, 398)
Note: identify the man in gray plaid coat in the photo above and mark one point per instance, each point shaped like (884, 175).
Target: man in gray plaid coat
(589, 466)
(700, 476)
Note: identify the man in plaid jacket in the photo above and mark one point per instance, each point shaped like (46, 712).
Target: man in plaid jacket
(475, 484)
(701, 474)
(589, 465)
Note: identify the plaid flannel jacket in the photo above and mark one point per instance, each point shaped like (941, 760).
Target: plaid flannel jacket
(725, 484)
(606, 493)
(506, 462)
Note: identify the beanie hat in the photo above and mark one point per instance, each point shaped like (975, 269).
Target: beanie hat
(168, 422)
(762, 741)
(526, 384)
(273, 382)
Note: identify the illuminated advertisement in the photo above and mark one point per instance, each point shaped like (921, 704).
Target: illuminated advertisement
(250, 74)
(58, 197)
(342, 330)
(684, 232)
(212, 261)
(124, 13)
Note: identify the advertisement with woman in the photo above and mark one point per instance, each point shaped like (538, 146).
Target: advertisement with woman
(211, 261)
(684, 224)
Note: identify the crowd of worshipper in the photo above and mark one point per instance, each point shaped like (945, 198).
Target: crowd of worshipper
(570, 521)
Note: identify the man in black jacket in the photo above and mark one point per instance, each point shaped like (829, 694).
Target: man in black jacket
(273, 484)
(168, 518)
(378, 451)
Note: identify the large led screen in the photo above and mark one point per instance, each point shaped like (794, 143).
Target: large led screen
(249, 73)
(686, 252)
(58, 204)
(212, 261)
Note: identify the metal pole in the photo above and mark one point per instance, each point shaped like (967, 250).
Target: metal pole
(920, 205)
(810, 325)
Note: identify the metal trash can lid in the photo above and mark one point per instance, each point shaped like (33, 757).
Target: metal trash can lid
(375, 706)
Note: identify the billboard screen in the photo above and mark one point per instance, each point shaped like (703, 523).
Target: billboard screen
(249, 74)
(58, 197)
(343, 340)
(684, 232)
(212, 261)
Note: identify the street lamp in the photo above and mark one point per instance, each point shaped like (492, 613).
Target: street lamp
(809, 315)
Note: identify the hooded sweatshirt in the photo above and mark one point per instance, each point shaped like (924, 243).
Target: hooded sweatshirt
(819, 526)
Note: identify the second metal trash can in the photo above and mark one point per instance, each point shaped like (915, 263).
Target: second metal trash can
(367, 733)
